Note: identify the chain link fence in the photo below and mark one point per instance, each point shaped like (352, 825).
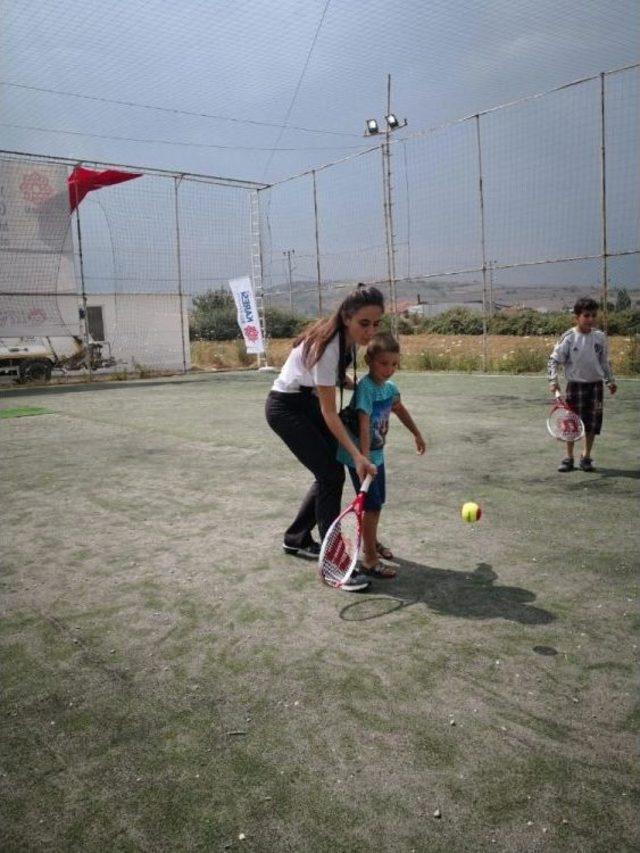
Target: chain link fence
(529, 204)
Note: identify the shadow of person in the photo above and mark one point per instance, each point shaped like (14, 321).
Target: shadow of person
(468, 595)
(630, 473)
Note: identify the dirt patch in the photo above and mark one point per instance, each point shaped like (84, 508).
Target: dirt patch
(448, 352)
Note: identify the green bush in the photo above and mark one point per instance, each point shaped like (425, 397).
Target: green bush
(214, 318)
(624, 322)
(528, 322)
(462, 321)
(623, 300)
(406, 324)
(454, 321)
(283, 324)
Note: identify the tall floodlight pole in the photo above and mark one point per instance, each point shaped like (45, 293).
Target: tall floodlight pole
(372, 128)
(391, 254)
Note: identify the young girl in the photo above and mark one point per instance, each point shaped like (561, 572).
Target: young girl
(301, 409)
(374, 399)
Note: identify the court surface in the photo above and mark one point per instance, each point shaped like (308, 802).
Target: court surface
(174, 682)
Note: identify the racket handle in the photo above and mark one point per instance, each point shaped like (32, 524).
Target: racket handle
(364, 488)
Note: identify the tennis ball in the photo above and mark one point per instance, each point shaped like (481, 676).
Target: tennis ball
(471, 511)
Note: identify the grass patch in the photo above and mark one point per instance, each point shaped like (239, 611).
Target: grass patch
(23, 412)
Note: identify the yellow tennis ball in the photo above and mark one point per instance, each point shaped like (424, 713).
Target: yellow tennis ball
(471, 511)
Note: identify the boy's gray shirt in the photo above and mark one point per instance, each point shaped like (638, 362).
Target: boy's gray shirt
(585, 357)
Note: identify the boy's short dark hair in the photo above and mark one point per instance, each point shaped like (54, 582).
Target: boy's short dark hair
(381, 342)
(586, 303)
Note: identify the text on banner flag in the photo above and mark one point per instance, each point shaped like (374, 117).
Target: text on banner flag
(248, 318)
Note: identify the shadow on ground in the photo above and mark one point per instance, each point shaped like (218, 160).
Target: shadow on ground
(468, 595)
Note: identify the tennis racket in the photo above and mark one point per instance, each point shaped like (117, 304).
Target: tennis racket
(563, 423)
(341, 544)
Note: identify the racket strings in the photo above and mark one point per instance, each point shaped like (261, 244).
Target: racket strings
(565, 424)
(341, 549)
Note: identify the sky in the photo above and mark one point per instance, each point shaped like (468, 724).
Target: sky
(260, 91)
(314, 64)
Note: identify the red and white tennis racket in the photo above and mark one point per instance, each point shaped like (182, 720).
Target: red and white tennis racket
(563, 423)
(341, 545)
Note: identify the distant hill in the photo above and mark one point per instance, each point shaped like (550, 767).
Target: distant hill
(437, 295)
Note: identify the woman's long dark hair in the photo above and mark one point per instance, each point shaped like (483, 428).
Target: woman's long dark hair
(317, 337)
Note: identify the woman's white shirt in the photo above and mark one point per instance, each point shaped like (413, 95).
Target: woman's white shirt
(295, 373)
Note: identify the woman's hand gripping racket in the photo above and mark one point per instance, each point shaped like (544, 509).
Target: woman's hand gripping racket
(341, 544)
(563, 423)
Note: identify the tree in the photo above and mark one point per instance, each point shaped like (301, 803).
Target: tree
(214, 316)
(623, 300)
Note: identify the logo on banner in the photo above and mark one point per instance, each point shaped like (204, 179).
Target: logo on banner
(23, 316)
(245, 298)
(37, 316)
(36, 188)
(247, 311)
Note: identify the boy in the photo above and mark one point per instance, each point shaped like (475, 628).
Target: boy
(583, 352)
(374, 399)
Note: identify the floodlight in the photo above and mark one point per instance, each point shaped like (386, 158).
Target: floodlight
(392, 121)
(372, 126)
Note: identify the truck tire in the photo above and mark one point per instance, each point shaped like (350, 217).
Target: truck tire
(35, 371)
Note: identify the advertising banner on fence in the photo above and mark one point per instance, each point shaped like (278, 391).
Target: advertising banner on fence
(36, 251)
(248, 319)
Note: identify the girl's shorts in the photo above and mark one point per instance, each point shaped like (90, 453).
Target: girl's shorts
(585, 398)
(376, 496)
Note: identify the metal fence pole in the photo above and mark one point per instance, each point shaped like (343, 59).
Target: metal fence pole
(85, 312)
(483, 247)
(176, 182)
(317, 230)
(256, 271)
(603, 208)
(388, 209)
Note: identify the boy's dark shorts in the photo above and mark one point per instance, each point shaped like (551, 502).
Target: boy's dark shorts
(585, 398)
(376, 496)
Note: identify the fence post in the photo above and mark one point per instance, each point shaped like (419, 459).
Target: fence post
(176, 183)
(256, 270)
(315, 218)
(483, 247)
(84, 312)
(603, 209)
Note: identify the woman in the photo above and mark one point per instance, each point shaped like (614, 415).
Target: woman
(301, 409)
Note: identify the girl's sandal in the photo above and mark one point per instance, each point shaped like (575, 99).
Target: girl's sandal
(385, 553)
(378, 570)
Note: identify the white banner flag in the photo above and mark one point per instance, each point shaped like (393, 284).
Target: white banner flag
(36, 250)
(248, 319)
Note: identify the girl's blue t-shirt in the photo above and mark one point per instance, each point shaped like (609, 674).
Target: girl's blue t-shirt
(376, 401)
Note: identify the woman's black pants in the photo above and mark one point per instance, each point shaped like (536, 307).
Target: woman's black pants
(298, 420)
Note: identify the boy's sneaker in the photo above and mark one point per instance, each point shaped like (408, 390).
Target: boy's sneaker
(310, 551)
(356, 583)
(586, 464)
(566, 465)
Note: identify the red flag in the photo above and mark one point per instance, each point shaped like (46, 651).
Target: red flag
(81, 181)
